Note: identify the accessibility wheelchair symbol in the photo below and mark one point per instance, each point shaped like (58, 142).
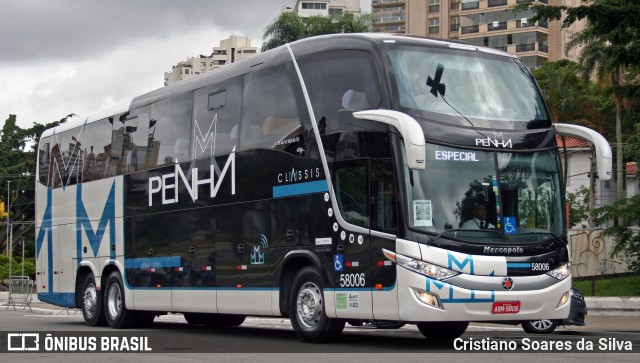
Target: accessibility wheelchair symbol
(338, 262)
(510, 225)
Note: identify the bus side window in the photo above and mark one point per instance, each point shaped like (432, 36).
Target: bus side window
(350, 179)
(170, 130)
(67, 157)
(44, 155)
(216, 116)
(131, 150)
(383, 199)
(270, 116)
(97, 151)
(339, 83)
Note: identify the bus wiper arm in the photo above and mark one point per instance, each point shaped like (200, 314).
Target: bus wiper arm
(549, 233)
(461, 230)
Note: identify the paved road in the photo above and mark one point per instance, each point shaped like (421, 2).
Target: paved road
(177, 340)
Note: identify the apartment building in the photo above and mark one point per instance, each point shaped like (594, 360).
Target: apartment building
(231, 50)
(489, 23)
(306, 8)
(390, 15)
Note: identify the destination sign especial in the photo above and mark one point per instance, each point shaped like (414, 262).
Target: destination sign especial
(466, 156)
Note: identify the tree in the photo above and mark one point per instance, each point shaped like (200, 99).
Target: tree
(627, 241)
(290, 26)
(578, 206)
(18, 150)
(611, 42)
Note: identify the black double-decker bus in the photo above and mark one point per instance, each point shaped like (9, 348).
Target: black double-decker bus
(364, 178)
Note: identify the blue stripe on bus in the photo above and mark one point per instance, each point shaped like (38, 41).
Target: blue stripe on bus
(518, 265)
(65, 299)
(316, 186)
(148, 262)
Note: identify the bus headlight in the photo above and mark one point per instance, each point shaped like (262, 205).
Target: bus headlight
(424, 268)
(562, 272)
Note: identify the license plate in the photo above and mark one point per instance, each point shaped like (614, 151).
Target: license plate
(506, 307)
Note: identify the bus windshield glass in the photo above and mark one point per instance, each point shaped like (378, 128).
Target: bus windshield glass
(464, 87)
(480, 196)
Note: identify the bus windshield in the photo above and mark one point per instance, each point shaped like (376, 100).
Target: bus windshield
(445, 84)
(486, 196)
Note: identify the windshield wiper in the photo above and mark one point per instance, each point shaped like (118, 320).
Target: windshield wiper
(494, 230)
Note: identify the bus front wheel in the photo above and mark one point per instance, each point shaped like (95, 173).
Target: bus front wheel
(307, 309)
(118, 316)
(443, 330)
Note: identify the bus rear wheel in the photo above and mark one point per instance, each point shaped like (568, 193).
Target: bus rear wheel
(214, 320)
(92, 310)
(116, 312)
(307, 309)
(443, 330)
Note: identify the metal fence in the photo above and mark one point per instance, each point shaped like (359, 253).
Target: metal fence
(20, 292)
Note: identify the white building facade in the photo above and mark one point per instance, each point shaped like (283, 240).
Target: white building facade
(231, 50)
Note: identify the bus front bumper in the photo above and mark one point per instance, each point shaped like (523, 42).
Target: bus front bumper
(424, 299)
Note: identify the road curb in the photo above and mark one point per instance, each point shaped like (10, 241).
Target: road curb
(613, 306)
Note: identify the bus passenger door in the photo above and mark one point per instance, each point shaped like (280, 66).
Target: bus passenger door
(384, 229)
(352, 265)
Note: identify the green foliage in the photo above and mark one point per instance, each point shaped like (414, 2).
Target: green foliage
(18, 151)
(632, 150)
(610, 286)
(627, 240)
(578, 206)
(16, 267)
(289, 27)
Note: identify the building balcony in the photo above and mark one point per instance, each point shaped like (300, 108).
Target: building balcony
(454, 27)
(470, 29)
(386, 2)
(492, 3)
(501, 26)
(454, 6)
(497, 25)
(471, 6)
(389, 19)
(530, 47)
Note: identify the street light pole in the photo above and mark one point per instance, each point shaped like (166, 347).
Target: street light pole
(9, 227)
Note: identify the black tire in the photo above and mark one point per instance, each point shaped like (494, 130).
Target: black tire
(214, 320)
(543, 326)
(91, 303)
(307, 309)
(443, 330)
(116, 312)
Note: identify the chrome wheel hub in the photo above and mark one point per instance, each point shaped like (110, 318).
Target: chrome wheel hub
(309, 305)
(90, 300)
(114, 301)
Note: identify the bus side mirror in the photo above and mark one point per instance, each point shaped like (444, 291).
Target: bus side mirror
(409, 129)
(604, 158)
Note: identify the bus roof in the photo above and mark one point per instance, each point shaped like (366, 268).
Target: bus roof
(300, 48)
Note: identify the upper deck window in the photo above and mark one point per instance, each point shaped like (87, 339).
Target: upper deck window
(265, 123)
(339, 83)
(465, 87)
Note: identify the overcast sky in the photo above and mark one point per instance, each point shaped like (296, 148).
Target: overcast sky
(81, 56)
